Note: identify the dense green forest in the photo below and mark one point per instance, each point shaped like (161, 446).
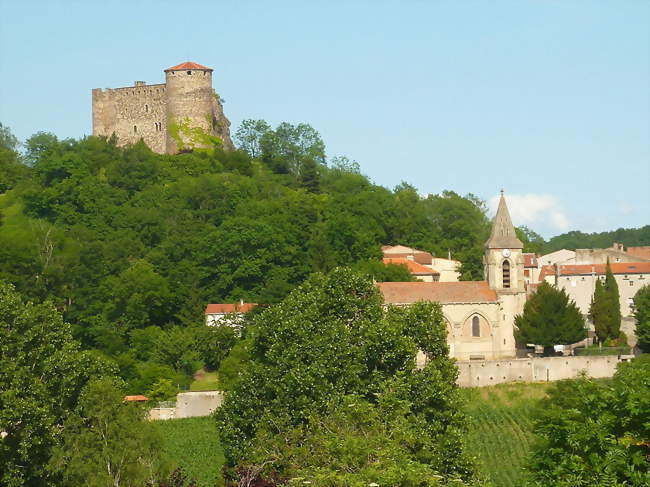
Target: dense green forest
(630, 237)
(130, 245)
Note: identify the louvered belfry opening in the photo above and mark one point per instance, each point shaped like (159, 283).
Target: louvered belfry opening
(506, 274)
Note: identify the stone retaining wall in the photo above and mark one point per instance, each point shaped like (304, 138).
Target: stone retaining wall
(480, 373)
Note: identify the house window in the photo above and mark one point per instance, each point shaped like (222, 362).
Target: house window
(506, 274)
(189, 72)
(476, 327)
(631, 283)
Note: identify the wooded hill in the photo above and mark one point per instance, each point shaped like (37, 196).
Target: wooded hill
(130, 245)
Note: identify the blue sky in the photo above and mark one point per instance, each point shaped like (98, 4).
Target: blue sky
(547, 99)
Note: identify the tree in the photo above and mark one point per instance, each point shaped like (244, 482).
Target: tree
(42, 373)
(249, 135)
(642, 316)
(550, 318)
(595, 433)
(328, 340)
(285, 148)
(108, 442)
(12, 169)
(605, 309)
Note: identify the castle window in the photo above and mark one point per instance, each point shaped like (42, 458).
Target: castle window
(506, 274)
(476, 327)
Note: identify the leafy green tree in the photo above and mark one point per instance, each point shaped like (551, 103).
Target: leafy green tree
(605, 310)
(249, 135)
(309, 175)
(108, 442)
(533, 241)
(642, 317)
(550, 318)
(42, 373)
(328, 339)
(12, 169)
(381, 272)
(594, 433)
(285, 148)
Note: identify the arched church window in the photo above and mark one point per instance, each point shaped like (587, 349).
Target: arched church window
(476, 327)
(506, 274)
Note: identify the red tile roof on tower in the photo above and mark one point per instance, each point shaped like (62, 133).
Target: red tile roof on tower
(223, 308)
(413, 267)
(440, 292)
(188, 65)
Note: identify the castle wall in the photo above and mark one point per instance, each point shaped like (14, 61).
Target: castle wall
(132, 113)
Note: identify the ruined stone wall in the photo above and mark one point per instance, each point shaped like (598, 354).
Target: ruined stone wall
(132, 113)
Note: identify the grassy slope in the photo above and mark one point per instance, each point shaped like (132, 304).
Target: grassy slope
(207, 382)
(501, 432)
(192, 443)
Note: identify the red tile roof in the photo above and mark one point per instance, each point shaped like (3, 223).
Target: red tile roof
(188, 65)
(441, 292)
(138, 398)
(530, 260)
(617, 268)
(643, 252)
(413, 267)
(547, 270)
(222, 308)
(586, 269)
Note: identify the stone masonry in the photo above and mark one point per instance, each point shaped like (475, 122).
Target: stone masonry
(152, 112)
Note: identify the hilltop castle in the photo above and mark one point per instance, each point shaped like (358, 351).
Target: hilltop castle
(165, 116)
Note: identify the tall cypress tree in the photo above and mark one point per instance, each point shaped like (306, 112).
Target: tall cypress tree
(605, 309)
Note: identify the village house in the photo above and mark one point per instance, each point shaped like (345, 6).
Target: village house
(218, 313)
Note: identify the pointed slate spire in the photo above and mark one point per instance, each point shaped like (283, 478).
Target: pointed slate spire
(503, 232)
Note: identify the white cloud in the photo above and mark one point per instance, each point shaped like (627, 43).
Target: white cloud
(534, 210)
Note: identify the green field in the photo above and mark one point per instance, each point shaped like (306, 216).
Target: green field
(501, 430)
(207, 381)
(500, 435)
(192, 443)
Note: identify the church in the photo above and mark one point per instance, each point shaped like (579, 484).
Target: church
(479, 315)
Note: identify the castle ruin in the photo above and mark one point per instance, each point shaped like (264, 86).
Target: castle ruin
(166, 116)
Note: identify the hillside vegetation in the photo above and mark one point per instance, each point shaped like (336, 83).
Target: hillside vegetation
(630, 237)
(130, 245)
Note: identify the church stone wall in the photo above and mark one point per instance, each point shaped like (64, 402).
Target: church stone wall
(132, 113)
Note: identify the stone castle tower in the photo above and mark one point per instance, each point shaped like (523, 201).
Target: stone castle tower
(503, 263)
(165, 115)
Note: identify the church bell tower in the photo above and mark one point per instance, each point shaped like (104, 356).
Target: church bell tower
(504, 260)
(504, 271)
